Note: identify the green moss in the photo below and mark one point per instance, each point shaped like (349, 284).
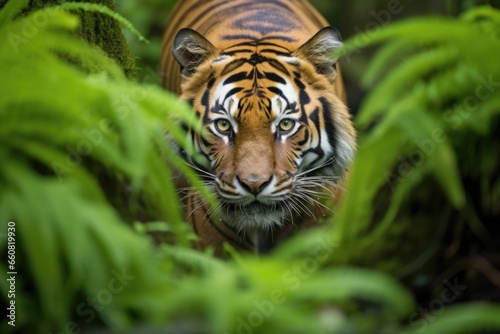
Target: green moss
(100, 30)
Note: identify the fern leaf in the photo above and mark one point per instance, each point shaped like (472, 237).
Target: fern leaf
(365, 173)
(474, 318)
(11, 10)
(384, 59)
(358, 283)
(195, 260)
(391, 89)
(482, 12)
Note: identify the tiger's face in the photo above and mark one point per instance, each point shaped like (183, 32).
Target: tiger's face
(276, 133)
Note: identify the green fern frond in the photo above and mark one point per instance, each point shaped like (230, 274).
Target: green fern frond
(406, 103)
(363, 172)
(192, 259)
(343, 284)
(11, 10)
(482, 12)
(475, 318)
(65, 131)
(404, 80)
(384, 60)
(76, 137)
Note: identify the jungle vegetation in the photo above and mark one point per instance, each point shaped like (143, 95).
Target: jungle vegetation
(413, 248)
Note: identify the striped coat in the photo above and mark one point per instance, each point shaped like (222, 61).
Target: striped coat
(259, 77)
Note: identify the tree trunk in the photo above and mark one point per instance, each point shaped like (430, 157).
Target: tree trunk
(98, 29)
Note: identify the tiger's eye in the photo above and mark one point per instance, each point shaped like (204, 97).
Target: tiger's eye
(223, 125)
(286, 125)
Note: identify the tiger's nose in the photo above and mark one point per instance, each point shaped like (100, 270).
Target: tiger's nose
(254, 184)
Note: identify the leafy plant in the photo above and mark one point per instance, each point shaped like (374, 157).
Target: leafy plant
(440, 98)
(84, 154)
(424, 169)
(423, 81)
(69, 135)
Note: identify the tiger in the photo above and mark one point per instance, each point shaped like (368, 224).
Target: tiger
(277, 133)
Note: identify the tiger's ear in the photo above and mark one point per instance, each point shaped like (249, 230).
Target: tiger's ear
(190, 49)
(317, 50)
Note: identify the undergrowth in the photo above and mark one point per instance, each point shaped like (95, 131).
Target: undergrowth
(84, 154)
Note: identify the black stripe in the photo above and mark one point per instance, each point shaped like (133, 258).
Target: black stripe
(280, 37)
(236, 77)
(329, 124)
(204, 13)
(276, 52)
(306, 138)
(226, 192)
(274, 77)
(264, 21)
(256, 41)
(239, 36)
(303, 96)
(297, 81)
(205, 98)
(278, 184)
(232, 53)
(244, 7)
(260, 42)
(218, 109)
(278, 66)
(232, 92)
(233, 65)
(278, 92)
(314, 117)
(211, 81)
(256, 58)
(206, 143)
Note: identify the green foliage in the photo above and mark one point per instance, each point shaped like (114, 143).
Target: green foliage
(446, 91)
(84, 154)
(11, 10)
(68, 137)
(478, 318)
(427, 126)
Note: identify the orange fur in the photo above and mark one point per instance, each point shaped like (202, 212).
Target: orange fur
(273, 58)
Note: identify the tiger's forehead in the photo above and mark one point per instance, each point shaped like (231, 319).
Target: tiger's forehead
(254, 84)
(236, 101)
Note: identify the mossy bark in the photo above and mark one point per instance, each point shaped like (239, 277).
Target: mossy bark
(100, 30)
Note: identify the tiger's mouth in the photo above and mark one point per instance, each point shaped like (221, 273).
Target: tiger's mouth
(255, 207)
(255, 215)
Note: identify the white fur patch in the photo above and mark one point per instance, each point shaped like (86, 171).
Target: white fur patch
(256, 217)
